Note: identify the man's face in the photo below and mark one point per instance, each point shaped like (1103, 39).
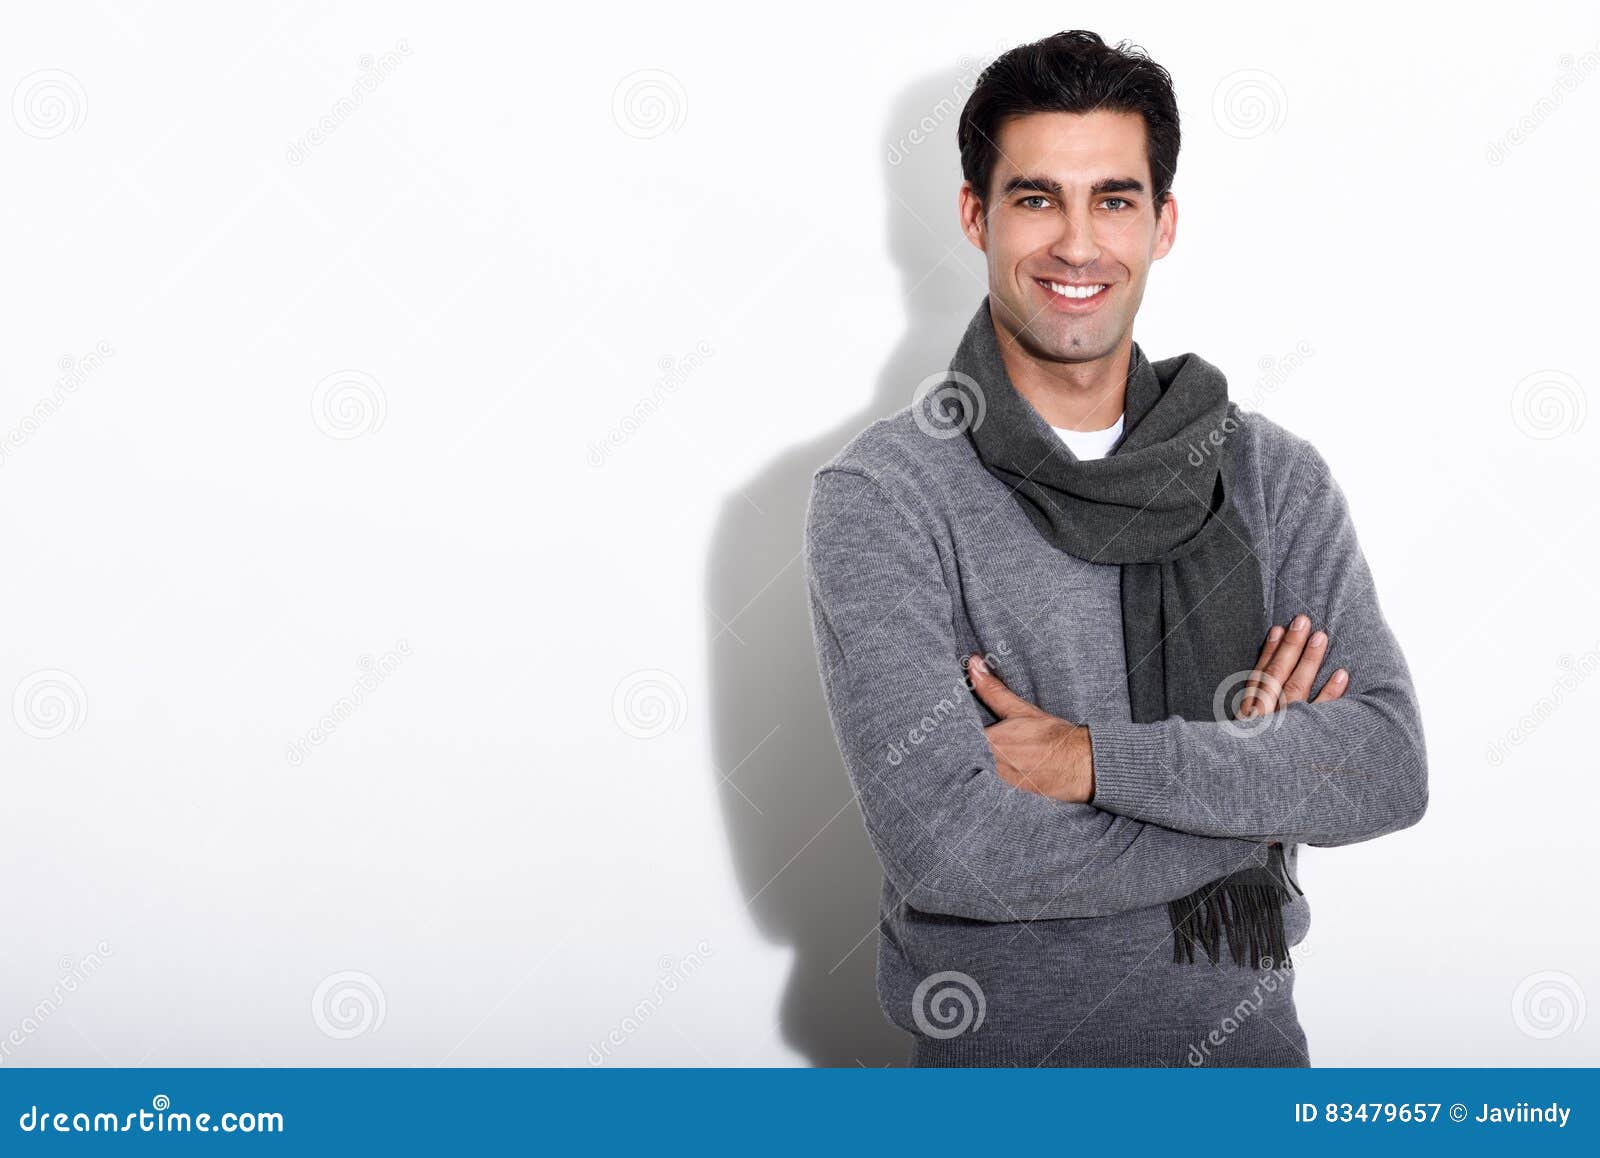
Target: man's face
(1070, 204)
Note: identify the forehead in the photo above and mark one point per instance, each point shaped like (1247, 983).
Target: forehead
(1073, 146)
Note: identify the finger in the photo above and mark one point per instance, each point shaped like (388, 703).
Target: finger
(1338, 683)
(1283, 662)
(1248, 700)
(1298, 686)
(1001, 700)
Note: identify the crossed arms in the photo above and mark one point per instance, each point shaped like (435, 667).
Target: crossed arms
(1175, 803)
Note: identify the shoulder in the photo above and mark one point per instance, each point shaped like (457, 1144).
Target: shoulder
(1273, 463)
(914, 456)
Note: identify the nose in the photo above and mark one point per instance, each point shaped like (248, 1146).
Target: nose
(1075, 245)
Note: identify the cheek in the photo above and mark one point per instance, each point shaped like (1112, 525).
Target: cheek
(1020, 239)
(1125, 245)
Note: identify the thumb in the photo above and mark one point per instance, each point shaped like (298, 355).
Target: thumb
(1001, 700)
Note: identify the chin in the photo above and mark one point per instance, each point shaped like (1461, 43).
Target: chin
(1070, 344)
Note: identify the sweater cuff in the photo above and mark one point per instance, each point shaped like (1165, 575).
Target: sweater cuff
(1131, 768)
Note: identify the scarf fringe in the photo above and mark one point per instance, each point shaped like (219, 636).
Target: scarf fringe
(1247, 906)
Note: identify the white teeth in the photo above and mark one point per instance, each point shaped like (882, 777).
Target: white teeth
(1076, 291)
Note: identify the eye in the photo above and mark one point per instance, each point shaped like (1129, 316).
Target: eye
(1108, 200)
(1036, 197)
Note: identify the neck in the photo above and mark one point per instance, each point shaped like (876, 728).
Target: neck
(1072, 395)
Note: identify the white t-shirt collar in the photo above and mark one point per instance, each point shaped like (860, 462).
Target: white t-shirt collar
(1087, 444)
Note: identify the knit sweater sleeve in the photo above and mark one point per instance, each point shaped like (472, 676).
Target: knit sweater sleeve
(952, 836)
(1322, 774)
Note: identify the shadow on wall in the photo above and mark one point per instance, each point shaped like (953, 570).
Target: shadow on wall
(806, 869)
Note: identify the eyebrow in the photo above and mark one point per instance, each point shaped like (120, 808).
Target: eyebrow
(1049, 186)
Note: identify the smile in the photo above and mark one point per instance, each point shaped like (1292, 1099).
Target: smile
(1074, 291)
(1074, 298)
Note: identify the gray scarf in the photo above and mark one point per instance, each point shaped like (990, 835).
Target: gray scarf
(1193, 611)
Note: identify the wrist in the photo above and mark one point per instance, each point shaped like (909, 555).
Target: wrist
(1083, 765)
(1074, 775)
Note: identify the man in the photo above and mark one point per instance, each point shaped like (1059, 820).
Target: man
(1089, 836)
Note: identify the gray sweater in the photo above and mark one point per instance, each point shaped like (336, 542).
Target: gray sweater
(1018, 930)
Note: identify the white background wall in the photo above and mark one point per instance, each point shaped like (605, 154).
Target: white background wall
(583, 301)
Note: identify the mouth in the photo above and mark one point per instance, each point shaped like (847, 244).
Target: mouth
(1074, 297)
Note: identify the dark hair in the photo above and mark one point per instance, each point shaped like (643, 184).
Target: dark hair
(1070, 72)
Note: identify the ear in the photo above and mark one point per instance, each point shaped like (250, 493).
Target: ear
(1166, 228)
(973, 216)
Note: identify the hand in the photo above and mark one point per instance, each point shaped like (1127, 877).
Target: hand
(1288, 663)
(1034, 750)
